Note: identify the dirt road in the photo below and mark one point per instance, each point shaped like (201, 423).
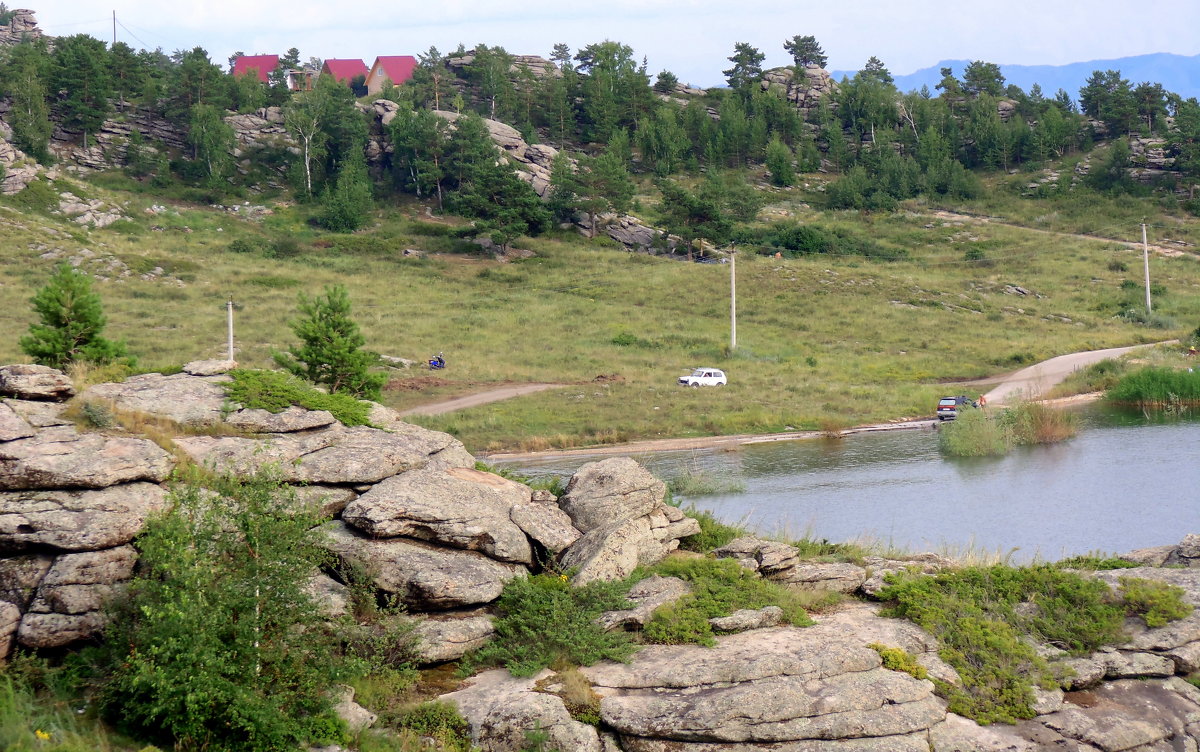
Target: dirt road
(1034, 381)
(482, 398)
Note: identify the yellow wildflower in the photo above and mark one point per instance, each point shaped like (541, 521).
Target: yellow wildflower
(42, 735)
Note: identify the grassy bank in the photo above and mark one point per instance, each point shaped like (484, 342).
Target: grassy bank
(822, 340)
(1158, 387)
(978, 433)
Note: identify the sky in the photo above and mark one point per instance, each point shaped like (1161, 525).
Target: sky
(690, 38)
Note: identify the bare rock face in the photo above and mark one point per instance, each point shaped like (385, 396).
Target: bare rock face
(35, 383)
(839, 577)
(337, 455)
(20, 576)
(1123, 715)
(442, 449)
(423, 575)
(38, 414)
(646, 596)
(758, 555)
(458, 507)
(10, 619)
(185, 399)
(958, 733)
(209, 367)
(500, 708)
(69, 602)
(13, 426)
(748, 618)
(289, 420)
(76, 520)
(759, 689)
(448, 637)
(61, 457)
(611, 491)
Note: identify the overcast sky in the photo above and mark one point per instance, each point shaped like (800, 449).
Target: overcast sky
(691, 38)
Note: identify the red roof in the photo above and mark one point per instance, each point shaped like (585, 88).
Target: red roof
(261, 64)
(399, 68)
(345, 70)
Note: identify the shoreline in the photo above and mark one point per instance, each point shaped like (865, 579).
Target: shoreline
(648, 446)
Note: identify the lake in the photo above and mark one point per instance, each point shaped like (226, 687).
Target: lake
(1125, 481)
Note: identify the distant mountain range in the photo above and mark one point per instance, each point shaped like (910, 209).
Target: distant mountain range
(1176, 73)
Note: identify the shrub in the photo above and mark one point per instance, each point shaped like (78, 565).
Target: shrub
(972, 434)
(243, 245)
(1157, 387)
(276, 391)
(71, 323)
(984, 617)
(330, 352)
(1156, 602)
(899, 659)
(713, 533)
(218, 645)
(719, 587)
(542, 620)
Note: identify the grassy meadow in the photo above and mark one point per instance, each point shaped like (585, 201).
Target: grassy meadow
(823, 341)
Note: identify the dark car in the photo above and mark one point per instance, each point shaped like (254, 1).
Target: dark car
(948, 407)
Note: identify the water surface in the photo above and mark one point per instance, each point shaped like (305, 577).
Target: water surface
(1125, 482)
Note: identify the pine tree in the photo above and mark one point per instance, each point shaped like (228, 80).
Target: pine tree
(805, 50)
(212, 141)
(330, 353)
(747, 66)
(71, 323)
(25, 77)
(81, 70)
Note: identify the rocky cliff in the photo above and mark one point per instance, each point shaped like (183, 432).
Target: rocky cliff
(409, 506)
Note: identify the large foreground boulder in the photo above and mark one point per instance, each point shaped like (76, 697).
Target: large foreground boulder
(424, 576)
(69, 602)
(61, 457)
(76, 520)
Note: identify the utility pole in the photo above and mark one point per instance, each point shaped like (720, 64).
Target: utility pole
(114, 28)
(1146, 265)
(229, 318)
(732, 300)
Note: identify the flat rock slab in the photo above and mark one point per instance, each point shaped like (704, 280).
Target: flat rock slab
(450, 637)
(12, 425)
(61, 457)
(457, 507)
(422, 574)
(39, 414)
(918, 742)
(501, 708)
(79, 520)
(35, 383)
(337, 455)
(289, 420)
(185, 399)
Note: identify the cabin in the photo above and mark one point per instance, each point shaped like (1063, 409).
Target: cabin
(396, 68)
(261, 65)
(344, 71)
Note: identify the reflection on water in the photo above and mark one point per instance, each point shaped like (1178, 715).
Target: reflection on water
(1125, 482)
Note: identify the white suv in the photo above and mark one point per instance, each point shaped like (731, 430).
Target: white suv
(704, 377)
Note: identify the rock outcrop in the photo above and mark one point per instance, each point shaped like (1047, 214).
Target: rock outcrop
(21, 27)
(408, 508)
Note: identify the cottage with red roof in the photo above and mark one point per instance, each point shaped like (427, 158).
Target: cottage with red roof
(396, 68)
(261, 65)
(344, 71)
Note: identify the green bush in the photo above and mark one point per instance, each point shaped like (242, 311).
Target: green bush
(719, 587)
(1157, 387)
(984, 617)
(972, 434)
(1156, 602)
(542, 620)
(218, 645)
(899, 659)
(713, 533)
(244, 245)
(1095, 563)
(275, 391)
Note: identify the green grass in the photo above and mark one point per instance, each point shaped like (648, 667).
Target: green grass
(1157, 387)
(275, 391)
(719, 587)
(822, 340)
